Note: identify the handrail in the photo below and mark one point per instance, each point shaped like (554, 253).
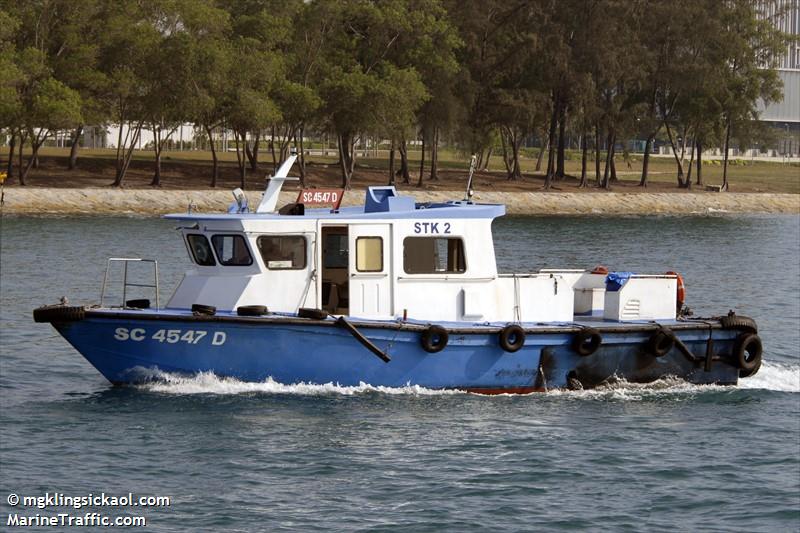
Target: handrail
(542, 275)
(125, 284)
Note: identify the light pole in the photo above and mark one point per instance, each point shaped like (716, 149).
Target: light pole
(788, 142)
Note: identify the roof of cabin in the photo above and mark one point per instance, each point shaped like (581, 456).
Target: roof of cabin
(382, 203)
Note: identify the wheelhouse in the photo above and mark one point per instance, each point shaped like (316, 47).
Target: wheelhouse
(392, 258)
(382, 260)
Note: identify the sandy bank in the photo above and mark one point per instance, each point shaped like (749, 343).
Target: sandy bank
(40, 200)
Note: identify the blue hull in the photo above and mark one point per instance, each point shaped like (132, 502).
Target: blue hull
(127, 348)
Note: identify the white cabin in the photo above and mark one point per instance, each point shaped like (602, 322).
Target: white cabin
(392, 258)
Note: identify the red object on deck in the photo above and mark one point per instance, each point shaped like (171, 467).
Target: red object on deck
(321, 197)
(681, 288)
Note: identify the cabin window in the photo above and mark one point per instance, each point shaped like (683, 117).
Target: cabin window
(433, 255)
(201, 250)
(335, 250)
(232, 250)
(369, 254)
(283, 252)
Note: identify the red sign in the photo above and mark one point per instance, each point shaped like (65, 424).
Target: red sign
(320, 197)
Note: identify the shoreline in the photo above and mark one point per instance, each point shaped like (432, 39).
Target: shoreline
(108, 201)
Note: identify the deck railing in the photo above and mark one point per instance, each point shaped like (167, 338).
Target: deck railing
(125, 284)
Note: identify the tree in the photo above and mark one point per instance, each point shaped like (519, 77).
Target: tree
(660, 34)
(297, 102)
(352, 103)
(53, 58)
(248, 104)
(498, 44)
(746, 45)
(166, 102)
(681, 73)
(209, 92)
(129, 39)
(371, 46)
(617, 80)
(10, 84)
(400, 95)
(312, 29)
(429, 44)
(74, 51)
(518, 113)
(516, 99)
(46, 105)
(261, 32)
(173, 79)
(492, 74)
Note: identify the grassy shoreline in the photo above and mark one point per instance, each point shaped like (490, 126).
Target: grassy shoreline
(191, 170)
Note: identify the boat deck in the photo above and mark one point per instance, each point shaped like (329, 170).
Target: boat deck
(580, 322)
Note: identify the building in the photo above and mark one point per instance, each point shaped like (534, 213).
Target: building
(784, 116)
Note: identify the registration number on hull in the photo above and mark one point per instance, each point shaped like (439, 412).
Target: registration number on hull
(170, 336)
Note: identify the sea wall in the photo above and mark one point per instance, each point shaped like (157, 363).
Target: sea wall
(105, 201)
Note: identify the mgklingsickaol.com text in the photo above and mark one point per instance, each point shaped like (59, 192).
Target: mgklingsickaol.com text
(52, 500)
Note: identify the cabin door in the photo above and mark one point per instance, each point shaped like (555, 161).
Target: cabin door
(369, 269)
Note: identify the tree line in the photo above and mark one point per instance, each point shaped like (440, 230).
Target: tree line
(488, 74)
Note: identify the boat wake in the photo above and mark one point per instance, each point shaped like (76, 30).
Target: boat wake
(772, 377)
(210, 383)
(775, 377)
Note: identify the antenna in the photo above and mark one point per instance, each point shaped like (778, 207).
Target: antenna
(472, 163)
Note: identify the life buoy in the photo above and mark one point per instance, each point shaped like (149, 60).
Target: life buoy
(661, 342)
(512, 338)
(681, 296)
(747, 352)
(587, 341)
(200, 309)
(434, 339)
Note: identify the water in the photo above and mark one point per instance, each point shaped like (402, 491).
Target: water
(278, 457)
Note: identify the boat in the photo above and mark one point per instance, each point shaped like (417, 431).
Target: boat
(392, 293)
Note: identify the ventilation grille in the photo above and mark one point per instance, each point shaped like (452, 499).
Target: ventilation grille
(631, 310)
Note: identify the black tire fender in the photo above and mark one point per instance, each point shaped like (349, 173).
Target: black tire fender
(206, 310)
(252, 310)
(315, 314)
(434, 339)
(142, 303)
(59, 313)
(747, 352)
(512, 338)
(661, 342)
(587, 341)
(741, 323)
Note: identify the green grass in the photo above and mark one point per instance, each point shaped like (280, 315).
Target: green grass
(744, 175)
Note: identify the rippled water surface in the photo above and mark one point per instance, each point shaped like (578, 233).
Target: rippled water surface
(270, 457)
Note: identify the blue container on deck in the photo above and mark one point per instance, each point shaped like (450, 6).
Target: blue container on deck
(615, 280)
